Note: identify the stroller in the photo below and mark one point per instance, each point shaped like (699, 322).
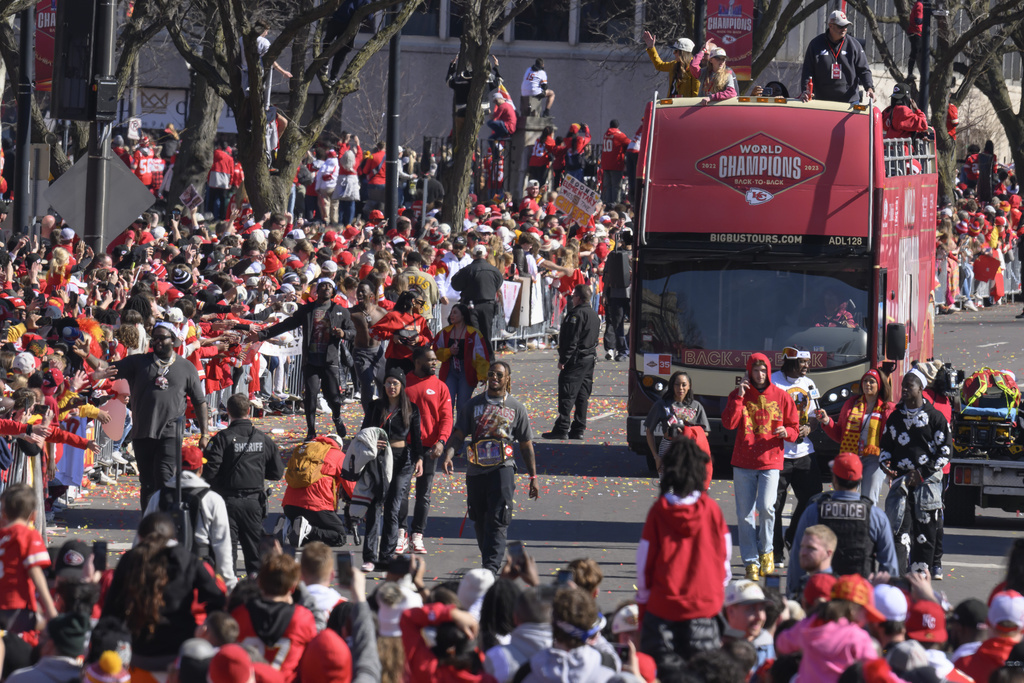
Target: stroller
(989, 423)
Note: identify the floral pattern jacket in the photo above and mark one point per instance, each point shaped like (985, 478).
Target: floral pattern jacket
(915, 441)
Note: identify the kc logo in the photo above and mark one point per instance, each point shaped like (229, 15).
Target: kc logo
(929, 621)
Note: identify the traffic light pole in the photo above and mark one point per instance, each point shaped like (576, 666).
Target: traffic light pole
(391, 150)
(26, 75)
(99, 144)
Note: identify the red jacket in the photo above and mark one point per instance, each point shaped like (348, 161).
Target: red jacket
(431, 396)
(613, 150)
(755, 416)
(682, 561)
(541, 152)
(420, 660)
(990, 656)
(321, 495)
(915, 23)
(393, 322)
(373, 168)
(952, 120)
(900, 121)
(279, 631)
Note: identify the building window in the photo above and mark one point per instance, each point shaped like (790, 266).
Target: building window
(543, 23)
(455, 20)
(425, 21)
(603, 21)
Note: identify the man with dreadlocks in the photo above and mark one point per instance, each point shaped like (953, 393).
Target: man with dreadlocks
(492, 421)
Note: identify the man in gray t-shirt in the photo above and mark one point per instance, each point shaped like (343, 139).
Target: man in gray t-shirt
(492, 421)
(158, 383)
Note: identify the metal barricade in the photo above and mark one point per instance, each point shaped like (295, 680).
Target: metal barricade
(27, 469)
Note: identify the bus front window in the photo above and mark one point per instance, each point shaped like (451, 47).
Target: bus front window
(708, 314)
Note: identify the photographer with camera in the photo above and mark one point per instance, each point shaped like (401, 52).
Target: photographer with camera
(902, 118)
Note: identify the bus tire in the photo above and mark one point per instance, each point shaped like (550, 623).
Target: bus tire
(960, 502)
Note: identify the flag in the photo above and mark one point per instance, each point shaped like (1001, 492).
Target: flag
(504, 93)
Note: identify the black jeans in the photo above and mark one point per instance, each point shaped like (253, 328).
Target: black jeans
(370, 373)
(483, 317)
(615, 310)
(245, 519)
(421, 510)
(490, 508)
(382, 516)
(327, 525)
(575, 382)
(331, 33)
(802, 475)
(157, 460)
(319, 377)
(664, 640)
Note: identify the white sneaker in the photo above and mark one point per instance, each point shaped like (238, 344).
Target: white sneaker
(104, 460)
(118, 458)
(299, 531)
(403, 542)
(609, 355)
(417, 544)
(969, 305)
(367, 567)
(104, 480)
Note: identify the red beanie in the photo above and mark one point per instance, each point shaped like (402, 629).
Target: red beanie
(231, 664)
(326, 659)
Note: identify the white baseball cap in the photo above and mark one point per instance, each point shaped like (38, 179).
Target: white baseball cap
(891, 602)
(683, 45)
(626, 620)
(1006, 606)
(743, 592)
(838, 17)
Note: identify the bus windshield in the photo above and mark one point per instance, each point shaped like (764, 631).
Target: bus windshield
(714, 314)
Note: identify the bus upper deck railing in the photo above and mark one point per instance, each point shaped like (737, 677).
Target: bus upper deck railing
(910, 156)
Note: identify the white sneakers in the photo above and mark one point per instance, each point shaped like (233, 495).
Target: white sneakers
(609, 355)
(403, 542)
(299, 531)
(969, 305)
(367, 567)
(417, 544)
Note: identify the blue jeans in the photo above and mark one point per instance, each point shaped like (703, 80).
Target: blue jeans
(499, 130)
(874, 477)
(459, 388)
(755, 490)
(346, 211)
(291, 200)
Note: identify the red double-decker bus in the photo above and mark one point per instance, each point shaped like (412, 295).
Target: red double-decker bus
(761, 220)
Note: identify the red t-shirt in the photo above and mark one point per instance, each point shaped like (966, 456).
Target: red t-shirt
(613, 150)
(21, 549)
(567, 283)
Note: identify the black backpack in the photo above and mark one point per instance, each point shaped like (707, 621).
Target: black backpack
(186, 519)
(618, 269)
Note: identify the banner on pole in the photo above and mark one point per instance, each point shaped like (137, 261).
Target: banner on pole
(730, 25)
(46, 31)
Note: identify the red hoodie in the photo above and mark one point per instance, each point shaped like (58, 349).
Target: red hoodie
(753, 416)
(431, 396)
(326, 659)
(683, 559)
(992, 654)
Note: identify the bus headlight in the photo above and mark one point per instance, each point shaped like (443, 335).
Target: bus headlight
(835, 397)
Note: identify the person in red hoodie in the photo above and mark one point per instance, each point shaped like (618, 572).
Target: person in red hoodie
(1006, 619)
(272, 623)
(682, 560)
(428, 393)
(405, 328)
(454, 657)
(764, 416)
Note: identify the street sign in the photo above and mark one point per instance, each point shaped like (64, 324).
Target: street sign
(134, 126)
(126, 197)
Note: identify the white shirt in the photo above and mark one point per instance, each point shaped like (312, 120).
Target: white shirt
(531, 82)
(805, 396)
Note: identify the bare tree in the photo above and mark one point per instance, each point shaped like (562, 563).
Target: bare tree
(300, 26)
(992, 83)
(969, 40)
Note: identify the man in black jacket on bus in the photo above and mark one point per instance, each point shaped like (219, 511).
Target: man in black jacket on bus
(577, 353)
(238, 460)
(837, 63)
(326, 326)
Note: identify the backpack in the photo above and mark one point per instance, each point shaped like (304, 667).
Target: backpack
(304, 467)
(186, 518)
(988, 387)
(618, 269)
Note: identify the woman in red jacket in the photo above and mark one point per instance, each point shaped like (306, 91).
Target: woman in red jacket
(682, 560)
(405, 329)
(859, 428)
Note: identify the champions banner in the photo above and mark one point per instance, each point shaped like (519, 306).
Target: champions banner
(46, 29)
(730, 25)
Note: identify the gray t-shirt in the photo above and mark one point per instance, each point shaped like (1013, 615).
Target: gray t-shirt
(154, 410)
(485, 419)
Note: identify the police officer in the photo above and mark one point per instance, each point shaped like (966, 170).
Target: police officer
(863, 530)
(479, 284)
(577, 347)
(238, 460)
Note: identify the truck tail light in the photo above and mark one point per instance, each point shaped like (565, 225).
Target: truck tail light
(967, 476)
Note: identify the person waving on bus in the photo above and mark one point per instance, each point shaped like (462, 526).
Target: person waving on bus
(902, 118)
(681, 83)
(717, 81)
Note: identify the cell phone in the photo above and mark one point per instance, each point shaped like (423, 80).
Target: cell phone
(343, 569)
(773, 581)
(99, 556)
(517, 551)
(39, 409)
(621, 649)
(44, 321)
(564, 577)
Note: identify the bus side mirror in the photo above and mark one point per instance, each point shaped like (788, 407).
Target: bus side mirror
(895, 341)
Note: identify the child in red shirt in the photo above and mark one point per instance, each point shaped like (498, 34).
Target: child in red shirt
(23, 557)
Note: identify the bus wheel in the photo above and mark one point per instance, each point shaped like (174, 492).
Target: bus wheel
(960, 504)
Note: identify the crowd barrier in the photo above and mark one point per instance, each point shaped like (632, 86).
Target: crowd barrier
(26, 469)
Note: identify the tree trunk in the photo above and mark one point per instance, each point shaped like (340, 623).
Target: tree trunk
(195, 156)
(992, 83)
(477, 51)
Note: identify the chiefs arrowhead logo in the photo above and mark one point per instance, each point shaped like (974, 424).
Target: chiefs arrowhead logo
(431, 392)
(760, 167)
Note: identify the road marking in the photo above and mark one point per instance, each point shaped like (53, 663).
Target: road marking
(602, 415)
(973, 565)
(985, 346)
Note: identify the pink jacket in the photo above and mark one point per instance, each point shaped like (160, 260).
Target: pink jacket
(828, 648)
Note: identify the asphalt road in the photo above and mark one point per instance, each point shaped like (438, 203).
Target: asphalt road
(595, 494)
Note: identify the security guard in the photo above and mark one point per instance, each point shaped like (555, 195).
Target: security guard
(577, 347)
(238, 460)
(863, 530)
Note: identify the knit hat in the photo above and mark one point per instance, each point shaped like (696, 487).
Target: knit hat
(329, 659)
(193, 662)
(68, 632)
(472, 588)
(399, 374)
(109, 669)
(231, 665)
